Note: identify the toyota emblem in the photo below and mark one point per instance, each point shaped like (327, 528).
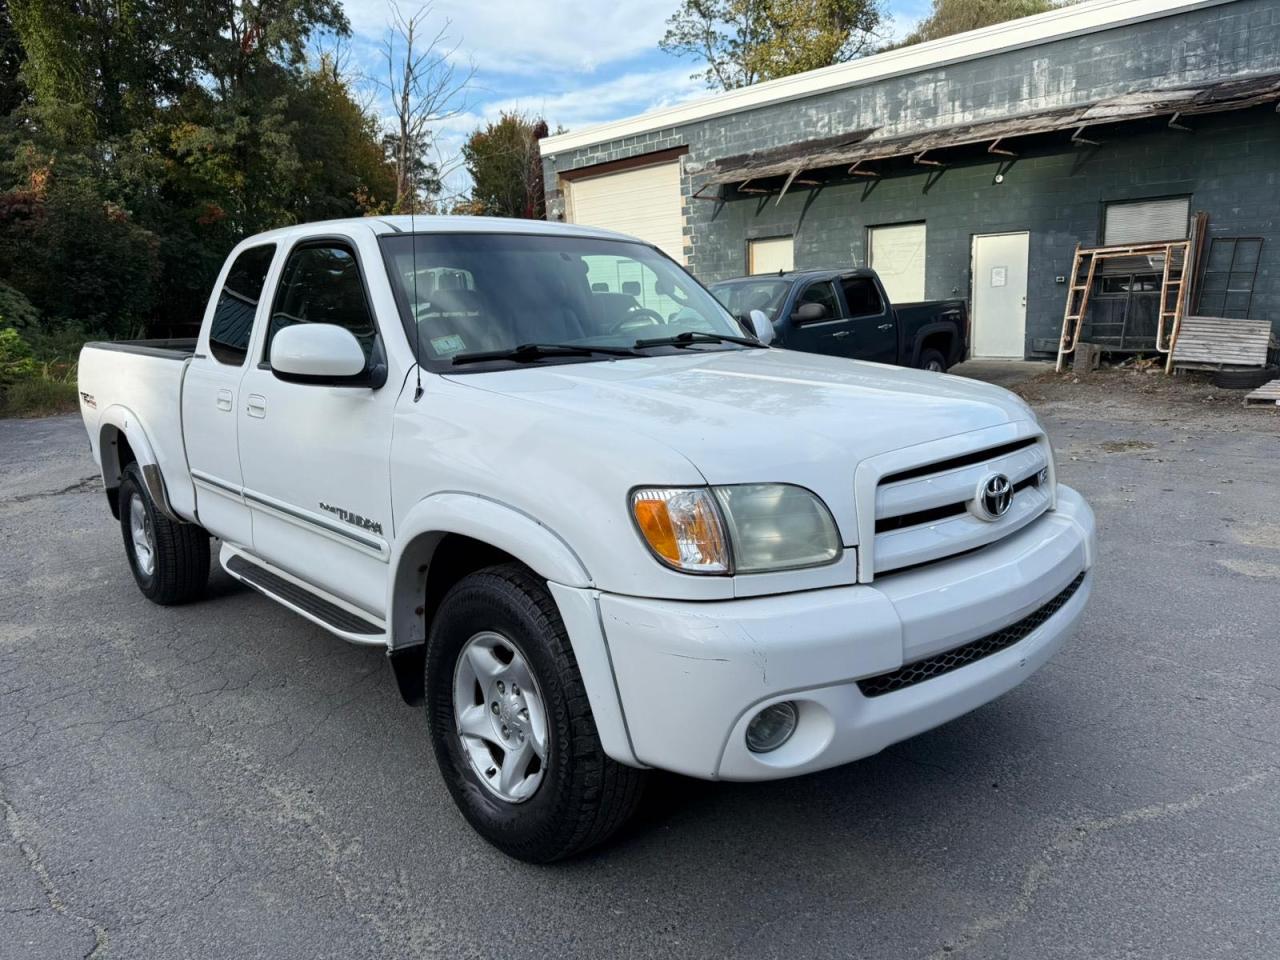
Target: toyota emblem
(994, 497)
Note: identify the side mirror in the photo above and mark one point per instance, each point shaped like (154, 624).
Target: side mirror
(809, 313)
(761, 326)
(323, 354)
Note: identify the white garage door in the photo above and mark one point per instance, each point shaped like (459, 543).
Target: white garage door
(897, 254)
(771, 255)
(644, 203)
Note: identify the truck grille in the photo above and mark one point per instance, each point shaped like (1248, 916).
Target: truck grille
(968, 653)
(922, 513)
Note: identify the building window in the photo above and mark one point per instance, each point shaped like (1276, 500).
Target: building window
(1146, 221)
(771, 255)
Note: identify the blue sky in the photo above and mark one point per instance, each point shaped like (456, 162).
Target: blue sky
(574, 62)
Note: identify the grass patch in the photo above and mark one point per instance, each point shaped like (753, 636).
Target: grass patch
(38, 397)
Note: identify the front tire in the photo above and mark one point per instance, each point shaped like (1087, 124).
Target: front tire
(170, 561)
(510, 723)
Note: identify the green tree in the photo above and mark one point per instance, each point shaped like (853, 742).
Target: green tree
(957, 16)
(506, 167)
(747, 41)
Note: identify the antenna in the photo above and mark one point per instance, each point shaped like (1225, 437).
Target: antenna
(413, 246)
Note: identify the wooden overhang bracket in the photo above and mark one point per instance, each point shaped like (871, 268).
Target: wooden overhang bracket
(698, 194)
(919, 158)
(857, 171)
(997, 149)
(1175, 125)
(1076, 138)
(786, 186)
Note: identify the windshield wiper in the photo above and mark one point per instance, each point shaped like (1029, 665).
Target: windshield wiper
(697, 336)
(527, 352)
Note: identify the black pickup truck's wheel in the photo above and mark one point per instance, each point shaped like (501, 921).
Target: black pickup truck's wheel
(510, 723)
(169, 560)
(932, 359)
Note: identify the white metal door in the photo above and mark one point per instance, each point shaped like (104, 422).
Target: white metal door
(315, 457)
(644, 203)
(1000, 295)
(897, 254)
(209, 396)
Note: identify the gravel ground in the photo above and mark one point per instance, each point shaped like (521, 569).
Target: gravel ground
(225, 780)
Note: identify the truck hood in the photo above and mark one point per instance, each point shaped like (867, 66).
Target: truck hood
(774, 415)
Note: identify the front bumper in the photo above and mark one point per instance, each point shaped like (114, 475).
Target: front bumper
(690, 676)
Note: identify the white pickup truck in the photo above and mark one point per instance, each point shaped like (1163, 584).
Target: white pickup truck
(597, 525)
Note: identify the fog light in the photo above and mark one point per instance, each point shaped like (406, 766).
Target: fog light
(772, 727)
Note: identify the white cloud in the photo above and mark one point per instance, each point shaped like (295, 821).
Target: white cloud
(533, 36)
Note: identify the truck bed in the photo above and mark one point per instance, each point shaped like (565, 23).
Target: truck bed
(136, 385)
(175, 349)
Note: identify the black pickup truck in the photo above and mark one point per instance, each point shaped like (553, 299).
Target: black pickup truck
(846, 313)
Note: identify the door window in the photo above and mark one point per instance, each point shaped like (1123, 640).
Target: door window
(321, 283)
(861, 297)
(237, 303)
(823, 293)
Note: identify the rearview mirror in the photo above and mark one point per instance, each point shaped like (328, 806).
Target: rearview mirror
(322, 354)
(809, 313)
(761, 326)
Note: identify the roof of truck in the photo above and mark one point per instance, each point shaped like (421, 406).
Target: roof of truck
(427, 223)
(803, 275)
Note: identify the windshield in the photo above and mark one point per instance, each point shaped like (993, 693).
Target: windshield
(740, 297)
(490, 293)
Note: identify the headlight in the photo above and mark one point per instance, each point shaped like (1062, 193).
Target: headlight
(756, 527)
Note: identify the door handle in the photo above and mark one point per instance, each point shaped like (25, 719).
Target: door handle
(224, 401)
(885, 326)
(838, 334)
(257, 406)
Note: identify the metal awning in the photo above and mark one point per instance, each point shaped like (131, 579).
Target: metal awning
(856, 149)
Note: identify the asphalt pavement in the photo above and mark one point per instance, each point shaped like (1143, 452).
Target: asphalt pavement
(225, 780)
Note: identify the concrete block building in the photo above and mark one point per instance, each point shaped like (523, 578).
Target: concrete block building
(972, 166)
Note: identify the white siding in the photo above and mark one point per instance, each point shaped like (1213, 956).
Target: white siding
(897, 254)
(771, 255)
(644, 203)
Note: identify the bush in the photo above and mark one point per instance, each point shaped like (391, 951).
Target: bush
(38, 397)
(16, 362)
(16, 310)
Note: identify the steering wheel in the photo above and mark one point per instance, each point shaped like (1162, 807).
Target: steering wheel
(638, 319)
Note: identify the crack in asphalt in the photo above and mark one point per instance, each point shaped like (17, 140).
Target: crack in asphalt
(13, 825)
(1069, 843)
(84, 485)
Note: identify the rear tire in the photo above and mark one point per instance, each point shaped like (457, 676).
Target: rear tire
(494, 629)
(170, 561)
(931, 359)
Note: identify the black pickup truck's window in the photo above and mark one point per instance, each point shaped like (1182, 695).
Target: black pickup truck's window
(823, 293)
(861, 297)
(237, 303)
(321, 283)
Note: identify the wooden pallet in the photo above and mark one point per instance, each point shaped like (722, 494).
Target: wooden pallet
(1216, 342)
(1268, 393)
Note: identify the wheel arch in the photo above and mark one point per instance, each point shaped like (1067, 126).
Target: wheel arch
(122, 440)
(941, 336)
(446, 536)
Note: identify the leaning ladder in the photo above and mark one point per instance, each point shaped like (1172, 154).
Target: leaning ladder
(1077, 305)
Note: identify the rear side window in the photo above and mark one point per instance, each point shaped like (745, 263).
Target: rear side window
(321, 283)
(862, 297)
(237, 303)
